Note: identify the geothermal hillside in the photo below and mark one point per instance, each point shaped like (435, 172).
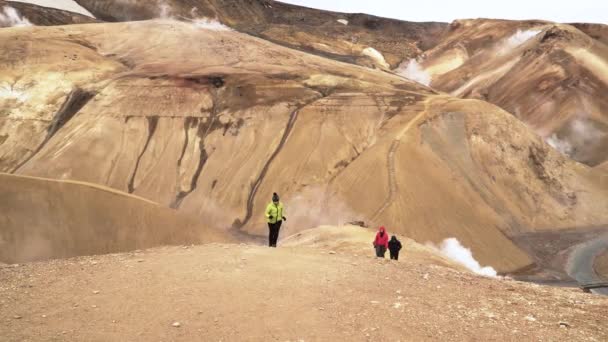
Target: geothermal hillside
(550, 76)
(173, 122)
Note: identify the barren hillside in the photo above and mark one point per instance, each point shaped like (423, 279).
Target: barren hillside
(551, 76)
(139, 150)
(210, 121)
(356, 38)
(44, 219)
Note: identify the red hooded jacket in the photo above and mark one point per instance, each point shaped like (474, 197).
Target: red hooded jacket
(381, 240)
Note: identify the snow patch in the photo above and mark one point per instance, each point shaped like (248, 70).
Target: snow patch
(210, 24)
(343, 21)
(452, 249)
(413, 70)
(10, 17)
(376, 56)
(65, 5)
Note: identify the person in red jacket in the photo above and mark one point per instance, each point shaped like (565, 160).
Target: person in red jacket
(381, 242)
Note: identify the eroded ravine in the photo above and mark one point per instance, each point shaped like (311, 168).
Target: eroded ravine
(255, 186)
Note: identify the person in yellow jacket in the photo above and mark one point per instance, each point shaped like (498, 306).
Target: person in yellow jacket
(275, 215)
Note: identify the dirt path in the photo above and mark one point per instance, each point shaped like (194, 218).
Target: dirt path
(390, 160)
(239, 292)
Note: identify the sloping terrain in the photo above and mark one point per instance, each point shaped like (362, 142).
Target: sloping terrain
(117, 137)
(595, 31)
(357, 241)
(211, 121)
(356, 38)
(241, 292)
(42, 219)
(44, 16)
(551, 76)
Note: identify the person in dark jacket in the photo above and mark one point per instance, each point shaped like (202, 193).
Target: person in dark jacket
(394, 246)
(275, 215)
(381, 242)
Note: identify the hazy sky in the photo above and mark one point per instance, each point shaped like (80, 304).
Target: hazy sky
(447, 10)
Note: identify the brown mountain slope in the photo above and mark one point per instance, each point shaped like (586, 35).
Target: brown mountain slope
(347, 37)
(43, 218)
(234, 293)
(212, 122)
(595, 31)
(44, 16)
(494, 60)
(550, 76)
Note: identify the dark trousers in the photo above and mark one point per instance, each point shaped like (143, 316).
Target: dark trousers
(395, 255)
(380, 251)
(273, 233)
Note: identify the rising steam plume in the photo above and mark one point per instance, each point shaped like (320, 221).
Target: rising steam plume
(455, 251)
(10, 17)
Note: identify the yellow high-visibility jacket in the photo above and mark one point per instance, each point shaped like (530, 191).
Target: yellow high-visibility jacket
(275, 211)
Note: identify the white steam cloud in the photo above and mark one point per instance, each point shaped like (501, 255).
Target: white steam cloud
(313, 207)
(452, 249)
(210, 24)
(9, 93)
(579, 134)
(517, 39)
(166, 12)
(521, 37)
(586, 130)
(563, 146)
(10, 17)
(164, 9)
(413, 70)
